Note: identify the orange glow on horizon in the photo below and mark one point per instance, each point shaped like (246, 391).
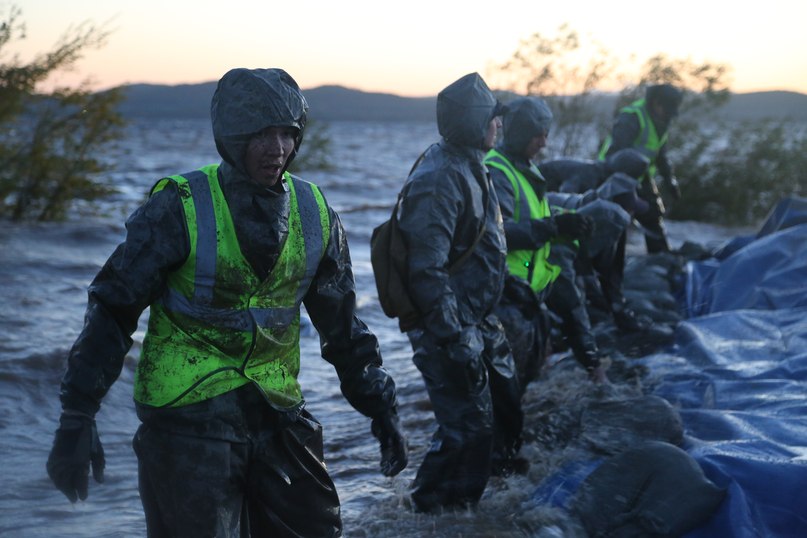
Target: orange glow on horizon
(413, 51)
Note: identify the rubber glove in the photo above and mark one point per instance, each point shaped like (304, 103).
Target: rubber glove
(465, 357)
(76, 447)
(394, 456)
(574, 225)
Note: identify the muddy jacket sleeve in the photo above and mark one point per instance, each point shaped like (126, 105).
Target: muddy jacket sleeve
(132, 277)
(345, 340)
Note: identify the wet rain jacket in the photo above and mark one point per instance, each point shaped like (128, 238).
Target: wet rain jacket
(580, 175)
(520, 206)
(634, 128)
(572, 175)
(610, 220)
(157, 244)
(521, 190)
(448, 199)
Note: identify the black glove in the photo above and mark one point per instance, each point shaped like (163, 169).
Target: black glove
(542, 230)
(574, 225)
(470, 371)
(387, 429)
(75, 446)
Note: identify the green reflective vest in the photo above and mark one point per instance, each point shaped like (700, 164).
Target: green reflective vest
(647, 141)
(218, 326)
(531, 265)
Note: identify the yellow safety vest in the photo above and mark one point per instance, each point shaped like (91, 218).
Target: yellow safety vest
(531, 265)
(217, 326)
(647, 141)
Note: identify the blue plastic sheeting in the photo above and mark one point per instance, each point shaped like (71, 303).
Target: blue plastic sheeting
(766, 271)
(787, 213)
(737, 373)
(738, 379)
(559, 489)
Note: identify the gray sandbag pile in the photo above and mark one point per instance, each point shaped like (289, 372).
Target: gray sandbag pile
(653, 490)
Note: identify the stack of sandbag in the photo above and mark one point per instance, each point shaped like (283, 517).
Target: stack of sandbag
(637, 481)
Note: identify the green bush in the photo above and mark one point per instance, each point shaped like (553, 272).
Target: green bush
(734, 173)
(50, 140)
(315, 152)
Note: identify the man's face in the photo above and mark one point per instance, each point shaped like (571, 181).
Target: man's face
(267, 153)
(536, 144)
(493, 131)
(660, 113)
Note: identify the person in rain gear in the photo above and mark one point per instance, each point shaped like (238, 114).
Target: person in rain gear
(224, 256)
(448, 208)
(581, 175)
(600, 258)
(606, 261)
(531, 231)
(644, 125)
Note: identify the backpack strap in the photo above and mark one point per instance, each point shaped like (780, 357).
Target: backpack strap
(452, 268)
(467, 254)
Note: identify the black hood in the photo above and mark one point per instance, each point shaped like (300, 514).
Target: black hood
(247, 101)
(666, 95)
(526, 118)
(464, 111)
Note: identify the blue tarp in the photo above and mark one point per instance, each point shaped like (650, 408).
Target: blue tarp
(737, 373)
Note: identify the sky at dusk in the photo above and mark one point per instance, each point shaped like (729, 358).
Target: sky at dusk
(411, 48)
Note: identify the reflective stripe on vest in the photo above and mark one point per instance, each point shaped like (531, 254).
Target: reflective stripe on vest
(218, 326)
(647, 141)
(531, 265)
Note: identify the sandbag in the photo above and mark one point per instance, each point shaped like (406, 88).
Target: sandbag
(610, 427)
(653, 490)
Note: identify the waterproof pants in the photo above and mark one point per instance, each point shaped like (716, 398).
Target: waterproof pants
(274, 484)
(505, 392)
(568, 301)
(609, 268)
(457, 466)
(527, 328)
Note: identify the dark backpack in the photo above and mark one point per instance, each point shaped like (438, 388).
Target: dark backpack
(388, 255)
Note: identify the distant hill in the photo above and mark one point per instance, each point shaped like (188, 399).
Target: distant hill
(327, 103)
(337, 103)
(159, 101)
(768, 105)
(331, 103)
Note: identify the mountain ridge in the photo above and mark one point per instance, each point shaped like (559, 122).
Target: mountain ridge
(340, 103)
